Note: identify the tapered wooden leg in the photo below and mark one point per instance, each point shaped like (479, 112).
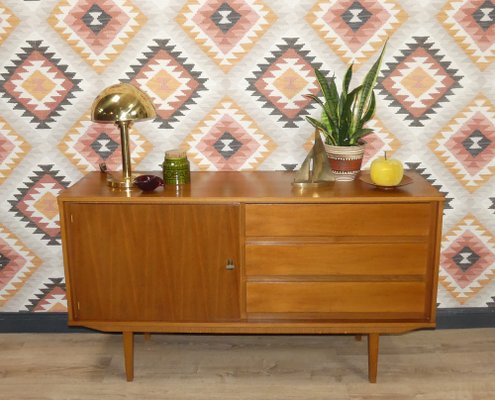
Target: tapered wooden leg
(147, 336)
(373, 344)
(129, 355)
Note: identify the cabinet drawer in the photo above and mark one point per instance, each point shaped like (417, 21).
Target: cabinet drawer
(336, 297)
(336, 259)
(387, 219)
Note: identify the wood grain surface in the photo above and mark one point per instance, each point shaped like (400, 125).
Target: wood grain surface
(262, 186)
(152, 262)
(426, 365)
(229, 252)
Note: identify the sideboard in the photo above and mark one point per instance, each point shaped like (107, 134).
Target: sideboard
(246, 252)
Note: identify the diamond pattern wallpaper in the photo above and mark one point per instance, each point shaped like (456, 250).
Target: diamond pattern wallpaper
(228, 79)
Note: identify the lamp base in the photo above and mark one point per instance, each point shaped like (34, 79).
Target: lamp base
(310, 184)
(119, 181)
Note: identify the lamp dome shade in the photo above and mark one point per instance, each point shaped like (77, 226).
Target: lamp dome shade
(122, 102)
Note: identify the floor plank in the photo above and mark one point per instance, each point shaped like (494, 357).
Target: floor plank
(424, 365)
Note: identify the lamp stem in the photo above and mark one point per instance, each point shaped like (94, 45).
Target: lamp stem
(126, 154)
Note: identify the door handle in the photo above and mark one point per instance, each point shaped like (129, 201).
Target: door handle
(230, 264)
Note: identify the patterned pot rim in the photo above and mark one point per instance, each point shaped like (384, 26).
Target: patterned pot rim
(358, 147)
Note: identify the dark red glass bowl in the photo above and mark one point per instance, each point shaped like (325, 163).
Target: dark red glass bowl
(147, 183)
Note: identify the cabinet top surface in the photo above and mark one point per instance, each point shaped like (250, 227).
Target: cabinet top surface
(249, 186)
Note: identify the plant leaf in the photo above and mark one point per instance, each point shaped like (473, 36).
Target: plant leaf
(332, 126)
(345, 92)
(348, 108)
(363, 132)
(335, 99)
(371, 109)
(327, 122)
(314, 98)
(318, 125)
(360, 133)
(351, 96)
(347, 80)
(365, 95)
(331, 98)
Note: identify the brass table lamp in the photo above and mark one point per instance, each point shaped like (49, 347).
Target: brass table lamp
(122, 104)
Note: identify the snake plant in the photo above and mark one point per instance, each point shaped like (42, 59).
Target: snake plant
(345, 114)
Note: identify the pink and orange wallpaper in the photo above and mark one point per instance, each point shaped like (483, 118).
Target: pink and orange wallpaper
(228, 79)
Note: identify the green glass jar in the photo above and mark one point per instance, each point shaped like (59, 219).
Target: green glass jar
(176, 170)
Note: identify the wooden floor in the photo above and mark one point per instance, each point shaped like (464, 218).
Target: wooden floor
(426, 365)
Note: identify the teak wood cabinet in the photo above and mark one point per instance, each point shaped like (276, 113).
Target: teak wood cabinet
(245, 252)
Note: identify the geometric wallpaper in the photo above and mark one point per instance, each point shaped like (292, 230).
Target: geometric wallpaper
(228, 79)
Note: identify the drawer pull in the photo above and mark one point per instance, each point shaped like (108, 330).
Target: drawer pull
(230, 264)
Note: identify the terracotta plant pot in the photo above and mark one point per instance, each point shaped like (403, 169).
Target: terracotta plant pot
(345, 161)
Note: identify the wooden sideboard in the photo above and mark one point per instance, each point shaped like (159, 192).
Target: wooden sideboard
(245, 252)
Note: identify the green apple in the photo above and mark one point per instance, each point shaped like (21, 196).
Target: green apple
(386, 171)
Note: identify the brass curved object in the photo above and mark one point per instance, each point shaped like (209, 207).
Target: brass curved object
(315, 170)
(122, 102)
